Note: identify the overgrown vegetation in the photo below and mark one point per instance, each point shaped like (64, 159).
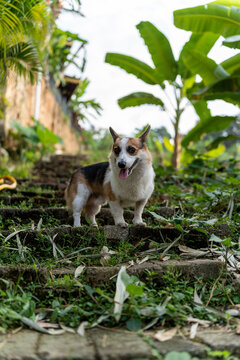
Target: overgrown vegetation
(193, 213)
(201, 200)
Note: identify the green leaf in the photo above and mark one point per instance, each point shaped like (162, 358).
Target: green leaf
(46, 136)
(232, 42)
(134, 324)
(227, 242)
(158, 217)
(221, 139)
(198, 42)
(228, 96)
(188, 83)
(134, 290)
(227, 3)
(133, 66)
(202, 109)
(231, 64)
(206, 126)
(199, 63)
(139, 98)
(214, 18)
(160, 50)
(167, 144)
(214, 153)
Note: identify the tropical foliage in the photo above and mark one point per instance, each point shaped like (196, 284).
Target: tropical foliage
(219, 81)
(24, 25)
(178, 76)
(31, 43)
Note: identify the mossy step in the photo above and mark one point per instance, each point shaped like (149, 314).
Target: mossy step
(35, 201)
(97, 275)
(67, 235)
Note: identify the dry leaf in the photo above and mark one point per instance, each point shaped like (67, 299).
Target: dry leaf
(202, 322)
(81, 328)
(233, 312)
(139, 262)
(121, 294)
(193, 331)
(166, 258)
(104, 261)
(165, 335)
(47, 325)
(187, 251)
(196, 298)
(78, 270)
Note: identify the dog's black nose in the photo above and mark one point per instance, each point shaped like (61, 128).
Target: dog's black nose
(122, 164)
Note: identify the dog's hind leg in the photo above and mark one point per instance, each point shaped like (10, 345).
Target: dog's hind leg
(91, 211)
(79, 203)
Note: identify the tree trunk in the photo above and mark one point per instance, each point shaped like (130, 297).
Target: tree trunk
(176, 151)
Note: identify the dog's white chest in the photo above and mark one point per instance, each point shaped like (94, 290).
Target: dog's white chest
(137, 187)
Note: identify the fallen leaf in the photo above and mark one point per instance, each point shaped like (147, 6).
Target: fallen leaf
(104, 261)
(193, 331)
(165, 335)
(196, 298)
(121, 293)
(202, 322)
(67, 328)
(78, 270)
(81, 328)
(139, 262)
(47, 325)
(233, 312)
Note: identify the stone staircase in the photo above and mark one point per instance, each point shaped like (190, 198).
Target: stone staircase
(35, 222)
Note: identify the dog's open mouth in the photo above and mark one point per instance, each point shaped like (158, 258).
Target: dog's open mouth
(124, 173)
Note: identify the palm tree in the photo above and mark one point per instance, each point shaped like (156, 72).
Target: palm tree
(23, 26)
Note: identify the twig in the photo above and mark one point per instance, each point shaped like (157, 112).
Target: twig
(88, 293)
(213, 288)
(180, 205)
(170, 246)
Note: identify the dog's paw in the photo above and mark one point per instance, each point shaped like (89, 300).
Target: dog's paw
(141, 223)
(122, 224)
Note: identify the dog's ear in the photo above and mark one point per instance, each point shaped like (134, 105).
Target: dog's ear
(114, 134)
(144, 136)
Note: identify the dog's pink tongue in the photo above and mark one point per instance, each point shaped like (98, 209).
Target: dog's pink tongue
(123, 173)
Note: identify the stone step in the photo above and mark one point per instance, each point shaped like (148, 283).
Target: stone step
(97, 275)
(111, 235)
(35, 201)
(112, 344)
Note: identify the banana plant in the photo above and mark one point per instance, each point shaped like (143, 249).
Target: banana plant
(221, 17)
(170, 73)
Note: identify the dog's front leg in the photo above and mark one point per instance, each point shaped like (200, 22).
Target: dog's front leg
(139, 206)
(117, 213)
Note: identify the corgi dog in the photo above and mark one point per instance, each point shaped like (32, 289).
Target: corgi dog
(126, 180)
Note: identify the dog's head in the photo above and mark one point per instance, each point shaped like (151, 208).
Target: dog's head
(128, 153)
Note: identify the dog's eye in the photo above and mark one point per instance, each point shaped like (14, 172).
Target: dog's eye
(131, 150)
(117, 150)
